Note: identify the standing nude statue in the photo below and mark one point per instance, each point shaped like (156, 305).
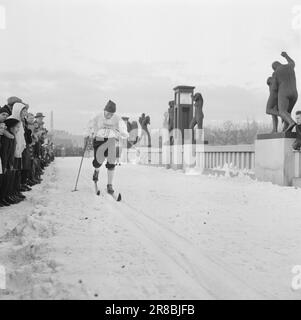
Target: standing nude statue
(285, 84)
(272, 104)
(199, 115)
(171, 120)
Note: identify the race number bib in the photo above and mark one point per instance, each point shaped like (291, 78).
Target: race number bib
(104, 132)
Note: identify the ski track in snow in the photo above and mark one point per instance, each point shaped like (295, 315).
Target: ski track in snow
(198, 266)
(172, 237)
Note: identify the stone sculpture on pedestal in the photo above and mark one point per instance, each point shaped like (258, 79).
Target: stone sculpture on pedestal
(275, 160)
(283, 92)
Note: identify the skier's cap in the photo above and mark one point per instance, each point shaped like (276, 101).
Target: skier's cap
(13, 100)
(11, 122)
(110, 107)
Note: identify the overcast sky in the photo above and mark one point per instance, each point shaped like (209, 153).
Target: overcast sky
(71, 56)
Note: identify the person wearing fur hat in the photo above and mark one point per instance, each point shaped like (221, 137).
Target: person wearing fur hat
(105, 129)
(8, 193)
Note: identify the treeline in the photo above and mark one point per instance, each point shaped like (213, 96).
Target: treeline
(230, 133)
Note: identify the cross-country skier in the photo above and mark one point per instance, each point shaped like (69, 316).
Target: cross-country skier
(105, 129)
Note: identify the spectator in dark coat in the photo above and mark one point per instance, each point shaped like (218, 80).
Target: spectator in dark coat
(26, 160)
(31, 181)
(9, 194)
(19, 113)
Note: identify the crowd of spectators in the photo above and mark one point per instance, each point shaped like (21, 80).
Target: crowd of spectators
(26, 150)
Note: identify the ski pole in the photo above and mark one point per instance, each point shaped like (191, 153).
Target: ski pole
(81, 163)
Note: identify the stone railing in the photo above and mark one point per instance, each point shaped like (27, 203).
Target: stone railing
(241, 157)
(207, 158)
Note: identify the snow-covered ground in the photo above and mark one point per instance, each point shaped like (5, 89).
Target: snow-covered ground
(175, 236)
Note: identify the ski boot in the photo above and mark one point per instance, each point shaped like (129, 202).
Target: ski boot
(110, 189)
(95, 175)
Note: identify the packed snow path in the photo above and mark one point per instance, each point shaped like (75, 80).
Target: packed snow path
(174, 236)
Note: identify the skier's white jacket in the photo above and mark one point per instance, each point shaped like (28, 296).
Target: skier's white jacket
(100, 127)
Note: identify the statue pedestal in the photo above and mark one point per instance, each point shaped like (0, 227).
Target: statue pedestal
(193, 155)
(177, 156)
(297, 178)
(275, 158)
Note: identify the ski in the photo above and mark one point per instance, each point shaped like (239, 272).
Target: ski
(116, 196)
(97, 191)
